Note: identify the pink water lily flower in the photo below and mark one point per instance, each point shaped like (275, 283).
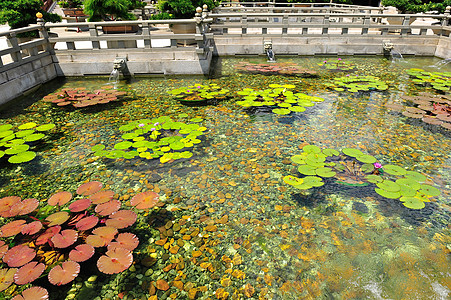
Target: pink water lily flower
(377, 165)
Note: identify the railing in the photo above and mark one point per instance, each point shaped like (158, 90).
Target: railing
(22, 50)
(324, 24)
(273, 7)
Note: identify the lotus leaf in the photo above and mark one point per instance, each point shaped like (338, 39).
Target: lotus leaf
(307, 170)
(45, 127)
(27, 125)
(325, 172)
(367, 168)
(17, 149)
(123, 145)
(415, 176)
(374, 178)
(389, 186)
(352, 152)
(429, 190)
(412, 202)
(22, 157)
(410, 182)
(388, 194)
(298, 159)
(330, 152)
(281, 111)
(311, 149)
(367, 159)
(394, 170)
(292, 180)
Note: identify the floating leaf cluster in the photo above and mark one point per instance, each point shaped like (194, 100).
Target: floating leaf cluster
(431, 109)
(69, 230)
(279, 68)
(357, 83)
(200, 94)
(440, 81)
(353, 167)
(80, 97)
(280, 96)
(161, 138)
(15, 143)
(337, 65)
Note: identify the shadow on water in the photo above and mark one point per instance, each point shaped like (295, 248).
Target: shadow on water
(19, 105)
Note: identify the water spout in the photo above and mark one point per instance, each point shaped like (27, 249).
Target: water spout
(114, 76)
(396, 56)
(268, 50)
(441, 63)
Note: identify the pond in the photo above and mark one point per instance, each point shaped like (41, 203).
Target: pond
(317, 188)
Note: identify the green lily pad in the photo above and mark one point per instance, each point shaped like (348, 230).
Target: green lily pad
(297, 108)
(196, 120)
(5, 127)
(367, 159)
(387, 194)
(177, 146)
(127, 127)
(307, 170)
(325, 172)
(123, 145)
(17, 149)
(130, 154)
(429, 190)
(416, 176)
(22, 157)
(412, 202)
(292, 180)
(6, 133)
(330, 152)
(298, 159)
(45, 127)
(410, 182)
(394, 170)
(34, 137)
(374, 178)
(23, 133)
(281, 111)
(311, 149)
(98, 147)
(352, 152)
(129, 135)
(389, 186)
(313, 181)
(27, 125)
(367, 168)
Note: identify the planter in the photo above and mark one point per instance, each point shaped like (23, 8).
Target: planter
(184, 28)
(74, 12)
(117, 29)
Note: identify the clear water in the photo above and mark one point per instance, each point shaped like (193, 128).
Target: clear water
(332, 242)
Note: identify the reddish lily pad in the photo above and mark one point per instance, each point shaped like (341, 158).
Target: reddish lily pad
(60, 198)
(19, 255)
(108, 208)
(32, 228)
(101, 236)
(115, 261)
(65, 238)
(81, 253)
(89, 188)
(64, 273)
(87, 223)
(33, 293)
(29, 272)
(6, 278)
(145, 200)
(125, 240)
(102, 197)
(80, 205)
(121, 219)
(12, 228)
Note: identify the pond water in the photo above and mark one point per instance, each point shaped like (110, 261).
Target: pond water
(230, 227)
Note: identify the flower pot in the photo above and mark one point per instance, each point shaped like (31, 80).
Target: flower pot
(184, 28)
(116, 29)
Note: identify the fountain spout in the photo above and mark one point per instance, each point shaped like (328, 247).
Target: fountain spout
(119, 66)
(387, 47)
(268, 50)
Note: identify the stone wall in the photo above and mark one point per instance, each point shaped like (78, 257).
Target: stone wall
(17, 80)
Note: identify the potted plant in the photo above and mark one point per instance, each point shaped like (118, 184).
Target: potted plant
(71, 8)
(113, 10)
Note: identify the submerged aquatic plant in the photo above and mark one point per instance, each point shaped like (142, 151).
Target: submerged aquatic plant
(80, 97)
(337, 65)
(357, 83)
(353, 167)
(161, 138)
(200, 94)
(440, 81)
(431, 109)
(69, 230)
(16, 143)
(280, 96)
(276, 68)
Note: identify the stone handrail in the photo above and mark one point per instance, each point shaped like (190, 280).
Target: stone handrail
(310, 23)
(271, 7)
(22, 50)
